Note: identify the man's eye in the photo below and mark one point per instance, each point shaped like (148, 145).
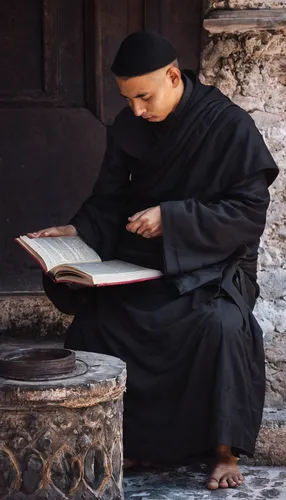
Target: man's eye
(146, 98)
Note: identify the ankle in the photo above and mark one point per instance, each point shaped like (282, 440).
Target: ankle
(224, 452)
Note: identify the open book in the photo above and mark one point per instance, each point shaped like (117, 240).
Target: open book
(70, 259)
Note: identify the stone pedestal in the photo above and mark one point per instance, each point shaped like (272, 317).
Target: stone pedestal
(61, 438)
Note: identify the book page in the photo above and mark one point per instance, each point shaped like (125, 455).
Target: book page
(115, 271)
(62, 250)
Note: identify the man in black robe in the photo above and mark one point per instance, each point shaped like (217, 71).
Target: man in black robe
(183, 188)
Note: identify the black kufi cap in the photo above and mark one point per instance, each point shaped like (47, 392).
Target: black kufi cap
(141, 53)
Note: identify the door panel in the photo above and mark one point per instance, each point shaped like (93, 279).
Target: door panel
(181, 22)
(57, 98)
(108, 23)
(51, 145)
(18, 72)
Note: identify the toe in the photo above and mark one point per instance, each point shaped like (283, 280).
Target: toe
(231, 482)
(223, 483)
(212, 483)
(238, 480)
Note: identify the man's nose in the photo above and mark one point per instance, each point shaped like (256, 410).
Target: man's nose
(138, 109)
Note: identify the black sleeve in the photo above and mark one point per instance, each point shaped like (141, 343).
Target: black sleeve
(197, 235)
(65, 299)
(102, 215)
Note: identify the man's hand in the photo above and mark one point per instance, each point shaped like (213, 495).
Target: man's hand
(147, 223)
(68, 230)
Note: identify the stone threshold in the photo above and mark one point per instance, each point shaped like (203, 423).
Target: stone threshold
(240, 21)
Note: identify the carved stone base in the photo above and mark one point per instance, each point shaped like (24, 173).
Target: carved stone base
(62, 439)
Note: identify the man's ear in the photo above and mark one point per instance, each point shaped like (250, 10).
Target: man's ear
(175, 76)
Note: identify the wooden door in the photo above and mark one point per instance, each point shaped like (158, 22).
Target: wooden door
(57, 95)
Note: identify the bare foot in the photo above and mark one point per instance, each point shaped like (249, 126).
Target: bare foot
(129, 464)
(226, 473)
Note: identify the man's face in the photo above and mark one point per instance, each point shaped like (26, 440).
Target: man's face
(151, 96)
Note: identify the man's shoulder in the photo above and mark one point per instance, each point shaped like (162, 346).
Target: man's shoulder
(229, 118)
(237, 123)
(217, 111)
(237, 115)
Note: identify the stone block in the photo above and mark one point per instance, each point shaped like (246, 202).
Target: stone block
(273, 284)
(244, 20)
(32, 316)
(246, 4)
(276, 370)
(250, 65)
(270, 446)
(267, 120)
(271, 312)
(268, 328)
(256, 4)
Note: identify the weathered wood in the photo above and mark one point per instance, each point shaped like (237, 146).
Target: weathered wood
(239, 21)
(181, 22)
(107, 23)
(42, 54)
(62, 438)
(50, 158)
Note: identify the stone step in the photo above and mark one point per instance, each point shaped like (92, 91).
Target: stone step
(31, 315)
(271, 443)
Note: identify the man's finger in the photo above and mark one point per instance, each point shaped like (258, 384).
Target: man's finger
(38, 234)
(50, 231)
(32, 235)
(152, 233)
(143, 228)
(133, 226)
(147, 234)
(137, 215)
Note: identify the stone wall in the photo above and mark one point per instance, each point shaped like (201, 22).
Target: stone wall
(250, 67)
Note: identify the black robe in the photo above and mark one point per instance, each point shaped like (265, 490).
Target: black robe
(193, 348)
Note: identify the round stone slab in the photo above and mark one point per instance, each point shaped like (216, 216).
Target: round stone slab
(97, 378)
(62, 438)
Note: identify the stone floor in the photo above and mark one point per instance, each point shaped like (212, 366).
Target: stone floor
(188, 483)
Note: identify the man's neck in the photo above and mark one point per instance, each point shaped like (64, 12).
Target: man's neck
(181, 89)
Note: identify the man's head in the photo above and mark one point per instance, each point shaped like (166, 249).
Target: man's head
(148, 76)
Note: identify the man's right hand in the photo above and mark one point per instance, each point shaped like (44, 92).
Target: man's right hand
(68, 230)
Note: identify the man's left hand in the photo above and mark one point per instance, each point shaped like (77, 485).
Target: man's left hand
(146, 223)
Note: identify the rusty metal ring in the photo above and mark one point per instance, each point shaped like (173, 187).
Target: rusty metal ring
(31, 363)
